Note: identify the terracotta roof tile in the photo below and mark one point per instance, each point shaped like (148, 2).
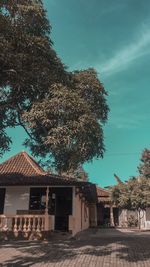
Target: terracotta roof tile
(22, 170)
(102, 192)
(103, 195)
(23, 164)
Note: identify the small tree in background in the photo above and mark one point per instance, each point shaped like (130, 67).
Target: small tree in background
(133, 195)
(144, 168)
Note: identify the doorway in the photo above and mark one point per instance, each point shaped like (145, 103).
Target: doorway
(2, 199)
(61, 201)
(116, 216)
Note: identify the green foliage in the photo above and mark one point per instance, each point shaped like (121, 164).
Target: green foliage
(79, 174)
(132, 221)
(62, 112)
(134, 194)
(28, 63)
(4, 139)
(65, 124)
(144, 168)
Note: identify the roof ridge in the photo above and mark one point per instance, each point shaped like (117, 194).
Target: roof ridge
(31, 160)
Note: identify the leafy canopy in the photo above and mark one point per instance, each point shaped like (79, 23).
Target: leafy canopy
(65, 123)
(134, 194)
(62, 112)
(28, 63)
(144, 168)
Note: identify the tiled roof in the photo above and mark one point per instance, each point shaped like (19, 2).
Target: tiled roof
(103, 195)
(22, 170)
(102, 192)
(22, 164)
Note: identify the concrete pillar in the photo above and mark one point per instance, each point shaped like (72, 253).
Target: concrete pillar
(111, 216)
(74, 201)
(46, 210)
(93, 214)
(72, 218)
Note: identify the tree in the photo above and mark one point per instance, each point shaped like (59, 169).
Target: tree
(62, 112)
(28, 63)
(67, 124)
(133, 194)
(144, 168)
(4, 139)
(78, 174)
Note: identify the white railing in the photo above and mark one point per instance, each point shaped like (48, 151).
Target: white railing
(22, 223)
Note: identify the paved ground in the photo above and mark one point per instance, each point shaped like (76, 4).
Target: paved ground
(92, 248)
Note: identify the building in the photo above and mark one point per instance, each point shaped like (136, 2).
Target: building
(107, 212)
(108, 215)
(32, 200)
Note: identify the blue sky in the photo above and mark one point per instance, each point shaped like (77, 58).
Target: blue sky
(112, 36)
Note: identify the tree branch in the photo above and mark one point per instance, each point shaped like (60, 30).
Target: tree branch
(22, 124)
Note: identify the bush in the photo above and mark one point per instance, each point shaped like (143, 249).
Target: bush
(132, 221)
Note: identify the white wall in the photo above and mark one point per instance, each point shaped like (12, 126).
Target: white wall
(80, 216)
(85, 216)
(124, 214)
(16, 198)
(123, 217)
(145, 219)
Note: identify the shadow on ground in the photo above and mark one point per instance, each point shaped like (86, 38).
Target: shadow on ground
(125, 247)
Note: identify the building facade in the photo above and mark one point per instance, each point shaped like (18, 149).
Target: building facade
(33, 200)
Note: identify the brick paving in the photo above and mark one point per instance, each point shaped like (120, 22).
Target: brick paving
(91, 248)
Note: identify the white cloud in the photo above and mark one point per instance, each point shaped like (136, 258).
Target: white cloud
(122, 120)
(126, 55)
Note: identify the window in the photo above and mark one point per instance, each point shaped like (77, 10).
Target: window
(37, 198)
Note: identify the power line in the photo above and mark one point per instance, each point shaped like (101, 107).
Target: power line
(122, 154)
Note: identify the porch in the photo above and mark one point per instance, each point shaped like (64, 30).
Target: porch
(32, 200)
(23, 225)
(28, 226)
(27, 211)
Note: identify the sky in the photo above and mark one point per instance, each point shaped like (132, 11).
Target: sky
(113, 36)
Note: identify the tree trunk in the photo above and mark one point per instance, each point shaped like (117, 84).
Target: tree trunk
(139, 219)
